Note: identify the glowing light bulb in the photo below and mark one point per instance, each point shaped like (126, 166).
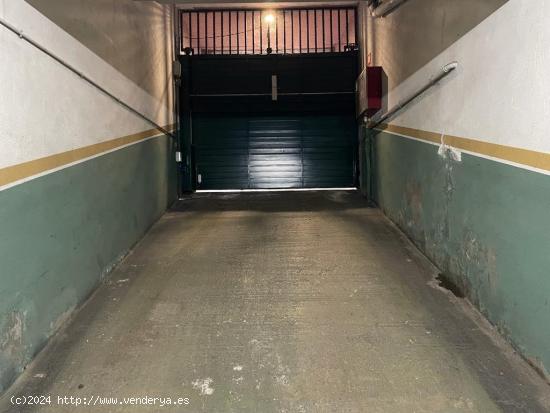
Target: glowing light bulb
(269, 18)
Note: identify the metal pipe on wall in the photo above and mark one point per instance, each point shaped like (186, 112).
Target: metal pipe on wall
(445, 71)
(386, 7)
(73, 69)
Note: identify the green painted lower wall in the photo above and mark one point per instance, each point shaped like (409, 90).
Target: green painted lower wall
(483, 223)
(62, 232)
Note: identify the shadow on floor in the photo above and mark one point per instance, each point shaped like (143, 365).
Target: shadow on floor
(281, 201)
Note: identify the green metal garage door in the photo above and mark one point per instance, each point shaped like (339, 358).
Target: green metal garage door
(261, 152)
(244, 130)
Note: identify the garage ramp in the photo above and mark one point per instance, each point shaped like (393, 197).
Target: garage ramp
(280, 302)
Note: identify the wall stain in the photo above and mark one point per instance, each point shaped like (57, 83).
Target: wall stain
(412, 211)
(12, 349)
(484, 229)
(413, 198)
(12, 335)
(480, 262)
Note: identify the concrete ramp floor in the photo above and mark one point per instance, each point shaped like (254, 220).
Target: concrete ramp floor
(277, 302)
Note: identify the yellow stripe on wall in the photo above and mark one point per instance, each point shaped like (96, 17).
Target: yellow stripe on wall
(534, 159)
(24, 170)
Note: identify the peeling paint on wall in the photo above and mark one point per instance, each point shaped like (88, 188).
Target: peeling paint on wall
(12, 347)
(12, 334)
(485, 226)
(448, 152)
(77, 229)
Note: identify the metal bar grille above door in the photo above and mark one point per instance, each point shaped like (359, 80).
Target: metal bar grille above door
(279, 31)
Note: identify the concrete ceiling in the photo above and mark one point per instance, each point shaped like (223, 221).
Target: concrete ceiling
(193, 4)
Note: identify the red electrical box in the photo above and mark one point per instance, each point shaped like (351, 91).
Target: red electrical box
(368, 88)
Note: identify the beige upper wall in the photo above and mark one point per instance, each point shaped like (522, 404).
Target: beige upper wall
(46, 109)
(133, 37)
(499, 92)
(410, 37)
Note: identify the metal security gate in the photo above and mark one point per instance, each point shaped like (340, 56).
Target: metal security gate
(265, 121)
(284, 31)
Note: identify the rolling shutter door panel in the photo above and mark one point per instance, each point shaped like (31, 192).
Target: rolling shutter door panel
(258, 152)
